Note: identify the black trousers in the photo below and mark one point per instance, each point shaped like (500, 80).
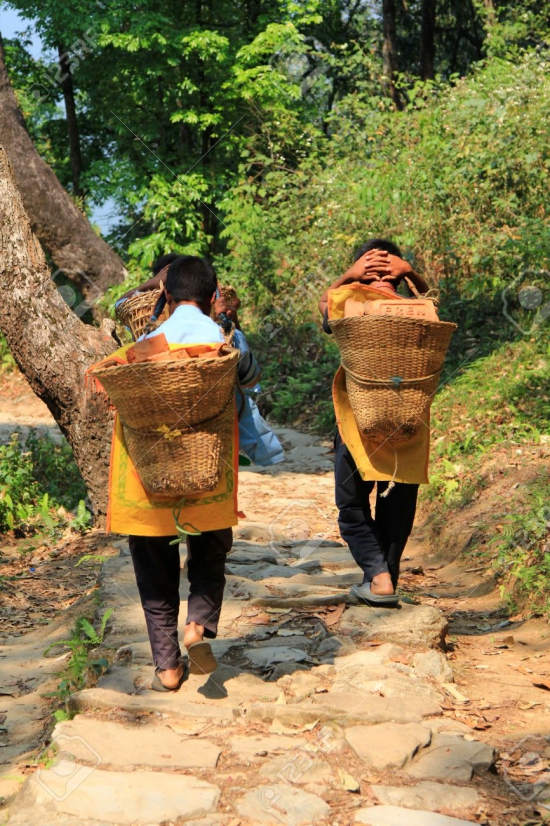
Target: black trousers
(376, 543)
(157, 569)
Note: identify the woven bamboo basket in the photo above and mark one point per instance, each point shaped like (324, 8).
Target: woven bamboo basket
(392, 368)
(136, 311)
(177, 418)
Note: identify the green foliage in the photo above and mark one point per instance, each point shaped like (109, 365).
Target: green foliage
(523, 550)
(39, 485)
(7, 361)
(84, 637)
(500, 400)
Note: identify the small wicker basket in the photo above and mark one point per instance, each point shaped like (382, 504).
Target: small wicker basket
(392, 368)
(177, 418)
(136, 311)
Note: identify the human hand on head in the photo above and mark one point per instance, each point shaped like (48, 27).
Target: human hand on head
(226, 306)
(398, 268)
(372, 266)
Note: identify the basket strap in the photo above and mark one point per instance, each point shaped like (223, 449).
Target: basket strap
(395, 382)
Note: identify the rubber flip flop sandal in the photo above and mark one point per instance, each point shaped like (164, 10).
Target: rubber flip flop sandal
(201, 658)
(364, 592)
(158, 685)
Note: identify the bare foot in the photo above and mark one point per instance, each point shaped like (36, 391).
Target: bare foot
(193, 633)
(170, 677)
(382, 584)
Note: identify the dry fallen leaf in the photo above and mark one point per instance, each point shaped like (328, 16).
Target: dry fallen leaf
(454, 692)
(334, 616)
(348, 782)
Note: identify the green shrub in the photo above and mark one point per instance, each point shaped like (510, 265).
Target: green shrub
(39, 485)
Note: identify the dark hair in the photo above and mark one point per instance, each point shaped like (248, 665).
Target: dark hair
(378, 244)
(163, 262)
(190, 278)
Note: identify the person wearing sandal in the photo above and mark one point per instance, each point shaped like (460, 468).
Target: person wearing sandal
(375, 542)
(154, 546)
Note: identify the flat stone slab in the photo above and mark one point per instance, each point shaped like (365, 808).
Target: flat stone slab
(277, 803)
(90, 699)
(117, 797)
(377, 709)
(156, 746)
(349, 707)
(256, 746)
(412, 625)
(300, 767)
(396, 816)
(428, 795)
(387, 745)
(450, 757)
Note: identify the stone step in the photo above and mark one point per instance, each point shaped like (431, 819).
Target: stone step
(137, 798)
(125, 747)
(396, 816)
(98, 699)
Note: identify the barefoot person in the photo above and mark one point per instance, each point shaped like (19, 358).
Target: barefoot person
(190, 291)
(376, 542)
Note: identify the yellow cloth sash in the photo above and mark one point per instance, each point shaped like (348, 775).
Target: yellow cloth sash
(131, 510)
(400, 461)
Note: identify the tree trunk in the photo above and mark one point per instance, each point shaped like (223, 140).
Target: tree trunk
(389, 51)
(427, 42)
(72, 123)
(61, 228)
(50, 344)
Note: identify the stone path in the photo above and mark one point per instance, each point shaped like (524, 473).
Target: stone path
(322, 711)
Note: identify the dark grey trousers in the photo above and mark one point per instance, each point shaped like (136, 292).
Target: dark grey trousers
(157, 569)
(376, 543)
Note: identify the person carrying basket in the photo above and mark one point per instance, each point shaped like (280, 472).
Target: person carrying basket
(394, 463)
(205, 519)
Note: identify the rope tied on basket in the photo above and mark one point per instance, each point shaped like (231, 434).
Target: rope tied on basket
(391, 484)
(395, 381)
(168, 433)
(184, 529)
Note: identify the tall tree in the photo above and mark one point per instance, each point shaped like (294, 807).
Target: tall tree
(50, 344)
(389, 51)
(427, 40)
(72, 121)
(61, 227)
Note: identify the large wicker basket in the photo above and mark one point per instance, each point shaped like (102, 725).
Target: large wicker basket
(177, 417)
(392, 368)
(136, 311)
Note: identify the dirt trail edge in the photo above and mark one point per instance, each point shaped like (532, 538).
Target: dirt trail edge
(322, 711)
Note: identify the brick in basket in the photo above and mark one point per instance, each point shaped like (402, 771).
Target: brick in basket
(177, 417)
(392, 368)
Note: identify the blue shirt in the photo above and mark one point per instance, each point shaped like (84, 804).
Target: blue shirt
(188, 325)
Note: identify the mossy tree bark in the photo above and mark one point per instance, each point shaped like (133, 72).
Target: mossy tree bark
(51, 345)
(62, 229)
